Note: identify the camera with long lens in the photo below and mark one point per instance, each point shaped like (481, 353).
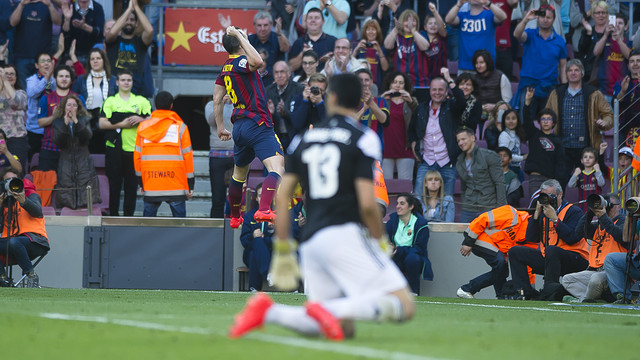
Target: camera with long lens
(315, 90)
(548, 199)
(11, 185)
(597, 202)
(632, 206)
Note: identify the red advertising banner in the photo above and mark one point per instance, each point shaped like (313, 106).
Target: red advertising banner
(194, 36)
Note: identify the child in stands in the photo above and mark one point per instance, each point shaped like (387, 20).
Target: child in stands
(590, 180)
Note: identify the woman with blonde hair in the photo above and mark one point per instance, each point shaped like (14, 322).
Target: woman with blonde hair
(591, 34)
(71, 132)
(437, 206)
(370, 48)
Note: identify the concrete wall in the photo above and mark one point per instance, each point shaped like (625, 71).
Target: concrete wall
(63, 266)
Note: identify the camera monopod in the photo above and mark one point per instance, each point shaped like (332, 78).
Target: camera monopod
(629, 235)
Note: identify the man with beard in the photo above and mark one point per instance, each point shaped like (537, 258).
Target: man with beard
(49, 152)
(127, 50)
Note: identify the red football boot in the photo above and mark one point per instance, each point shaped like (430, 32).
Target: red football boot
(329, 325)
(235, 222)
(267, 215)
(252, 316)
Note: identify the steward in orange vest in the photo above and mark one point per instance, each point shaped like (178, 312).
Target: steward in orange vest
(163, 159)
(562, 252)
(606, 237)
(490, 236)
(22, 228)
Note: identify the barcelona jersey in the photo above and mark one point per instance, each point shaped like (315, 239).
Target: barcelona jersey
(245, 90)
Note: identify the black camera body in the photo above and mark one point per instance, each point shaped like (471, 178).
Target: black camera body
(540, 12)
(315, 90)
(395, 94)
(13, 184)
(596, 202)
(368, 44)
(548, 199)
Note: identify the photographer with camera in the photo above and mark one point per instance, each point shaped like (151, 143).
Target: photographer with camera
(562, 250)
(24, 236)
(308, 108)
(606, 238)
(622, 268)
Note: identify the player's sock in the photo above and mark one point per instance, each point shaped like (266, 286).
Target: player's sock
(269, 187)
(235, 197)
(294, 318)
(382, 308)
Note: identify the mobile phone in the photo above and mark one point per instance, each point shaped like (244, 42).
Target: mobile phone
(540, 12)
(612, 20)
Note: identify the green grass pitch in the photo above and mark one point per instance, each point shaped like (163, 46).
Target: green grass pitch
(131, 324)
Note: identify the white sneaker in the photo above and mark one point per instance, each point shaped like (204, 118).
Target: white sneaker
(464, 294)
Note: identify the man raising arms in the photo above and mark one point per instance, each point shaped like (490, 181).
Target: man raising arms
(253, 131)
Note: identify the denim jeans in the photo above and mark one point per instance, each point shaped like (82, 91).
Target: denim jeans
(22, 249)
(468, 216)
(452, 43)
(25, 67)
(615, 266)
(448, 173)
(217, 168)
(178, 208)
(496, 277)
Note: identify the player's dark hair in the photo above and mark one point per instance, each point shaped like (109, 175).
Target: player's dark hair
(231, 43)
(164, 100)
(505, 150)
(348, 90)
(124, 72)
(412, 201)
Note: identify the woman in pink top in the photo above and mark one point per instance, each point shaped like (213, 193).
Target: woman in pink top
(397, 154)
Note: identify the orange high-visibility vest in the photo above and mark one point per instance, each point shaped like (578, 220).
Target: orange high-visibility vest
(602, 244)
(163, 156)
(26, 223)
(379, 186)
(500, 228)
(581, 247)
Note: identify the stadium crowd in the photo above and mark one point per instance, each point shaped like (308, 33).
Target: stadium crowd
(477, 104)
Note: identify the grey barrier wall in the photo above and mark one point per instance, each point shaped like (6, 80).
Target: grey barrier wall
(202, 254)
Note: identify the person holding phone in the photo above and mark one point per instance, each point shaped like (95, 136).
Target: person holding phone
(612, 50)
(397, 154)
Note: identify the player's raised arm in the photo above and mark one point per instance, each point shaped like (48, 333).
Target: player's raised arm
(254, 58)
(218, 94)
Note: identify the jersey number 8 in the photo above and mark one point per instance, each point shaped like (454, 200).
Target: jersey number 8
(232, 94)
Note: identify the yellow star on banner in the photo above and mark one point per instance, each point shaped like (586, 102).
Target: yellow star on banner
(181, 38)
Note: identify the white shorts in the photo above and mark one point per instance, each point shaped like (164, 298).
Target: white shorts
(342, 260)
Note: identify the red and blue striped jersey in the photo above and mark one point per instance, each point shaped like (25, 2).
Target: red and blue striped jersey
(409, 59)
(587, 185)
(245, 89)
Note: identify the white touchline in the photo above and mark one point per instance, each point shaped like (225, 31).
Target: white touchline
(524, 308)
(344, 349)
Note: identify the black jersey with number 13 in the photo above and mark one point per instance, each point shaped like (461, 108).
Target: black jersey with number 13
(328, 159)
